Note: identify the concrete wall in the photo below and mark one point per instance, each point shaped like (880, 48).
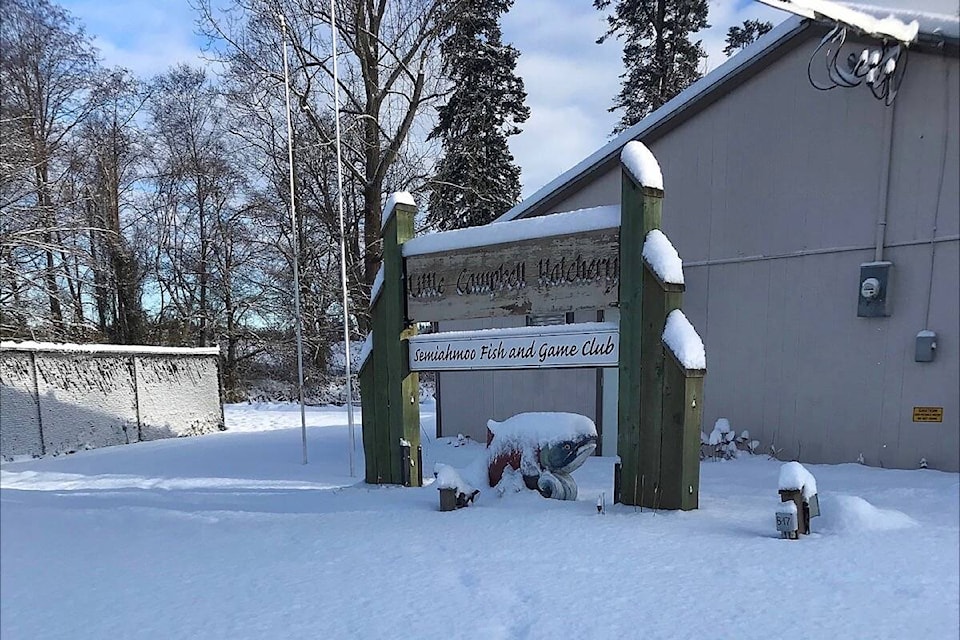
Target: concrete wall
(54, 402)
(772, 199)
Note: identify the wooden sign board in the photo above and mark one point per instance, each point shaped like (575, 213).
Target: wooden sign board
(539, 276)
(592, 344)
(928, 414)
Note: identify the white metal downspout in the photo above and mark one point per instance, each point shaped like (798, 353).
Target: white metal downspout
(881, 231)
(936, 212)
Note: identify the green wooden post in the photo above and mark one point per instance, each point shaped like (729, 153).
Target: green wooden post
(660, 401)
(640, 213)
(369, 420)
(658, 300)
(682, 413)
(392, 389)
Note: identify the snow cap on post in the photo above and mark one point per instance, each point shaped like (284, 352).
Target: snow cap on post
(365, 350)
(795, 477)
(397, 197)
(684, 341)
(377, 287)
(641, 164)
(663, 258)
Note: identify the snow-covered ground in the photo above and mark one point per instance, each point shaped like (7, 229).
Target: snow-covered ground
(228, 535)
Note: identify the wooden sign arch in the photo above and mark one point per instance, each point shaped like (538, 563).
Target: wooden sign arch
(591, 259)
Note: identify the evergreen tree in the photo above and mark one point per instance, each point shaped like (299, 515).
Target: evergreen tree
(660, 59)
(740, 37)
(476, 179)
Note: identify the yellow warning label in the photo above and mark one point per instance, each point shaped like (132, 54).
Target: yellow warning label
(928, 414)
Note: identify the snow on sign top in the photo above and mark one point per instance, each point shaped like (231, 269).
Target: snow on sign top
(642, 165)
(684, 341)
(794, 475)
(397, 197)
(134, 349)
(556, 224)
(377, 286)
(663, 258)
(365, 350)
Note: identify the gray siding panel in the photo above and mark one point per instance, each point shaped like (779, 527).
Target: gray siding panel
(469, 398)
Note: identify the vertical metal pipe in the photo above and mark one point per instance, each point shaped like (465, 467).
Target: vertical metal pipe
(880, 235)
(294, 241)
(343, 237)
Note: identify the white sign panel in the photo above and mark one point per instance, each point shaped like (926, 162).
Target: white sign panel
(592, 344)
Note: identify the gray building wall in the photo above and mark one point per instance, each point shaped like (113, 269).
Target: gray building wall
(773, 193)
(469, 398)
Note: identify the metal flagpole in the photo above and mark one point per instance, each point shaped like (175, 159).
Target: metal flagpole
(343, 234)
(295, 243)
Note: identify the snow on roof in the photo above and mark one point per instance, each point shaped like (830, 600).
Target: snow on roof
(642, 165)
(663, 258)
(684, 341)
(794, 475)
(835, 11)
(556, 224)
(933, 17)
(66, 347)
(397, 197)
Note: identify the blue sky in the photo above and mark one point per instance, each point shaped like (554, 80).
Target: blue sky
(570, 80)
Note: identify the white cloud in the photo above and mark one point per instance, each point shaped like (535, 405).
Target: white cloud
(144, 36)
(555, 138)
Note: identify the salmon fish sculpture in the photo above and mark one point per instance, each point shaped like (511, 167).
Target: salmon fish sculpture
(544, 447)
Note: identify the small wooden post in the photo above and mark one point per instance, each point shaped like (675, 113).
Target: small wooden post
(803, 511)
(390, 392)
(448, 499)
(680, 454)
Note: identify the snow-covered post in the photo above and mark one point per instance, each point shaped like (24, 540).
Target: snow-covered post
(799, 488)
(389, 390)
(661, 382)
(685, 365)
(638, 434)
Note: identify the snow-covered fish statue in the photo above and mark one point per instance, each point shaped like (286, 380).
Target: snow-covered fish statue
(544, 447)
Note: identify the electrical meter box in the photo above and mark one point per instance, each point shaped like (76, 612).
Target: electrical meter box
(874, 298)
(926, 346)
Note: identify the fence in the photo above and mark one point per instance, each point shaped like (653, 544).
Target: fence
(61, 398)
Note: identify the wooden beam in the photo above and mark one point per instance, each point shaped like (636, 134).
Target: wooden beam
(682, 414)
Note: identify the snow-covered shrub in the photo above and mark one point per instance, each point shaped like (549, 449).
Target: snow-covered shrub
(724, 443)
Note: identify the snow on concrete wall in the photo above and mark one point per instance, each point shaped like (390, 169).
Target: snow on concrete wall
(86, 401)
(178, 396)
(59, 401)
(19, 428)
